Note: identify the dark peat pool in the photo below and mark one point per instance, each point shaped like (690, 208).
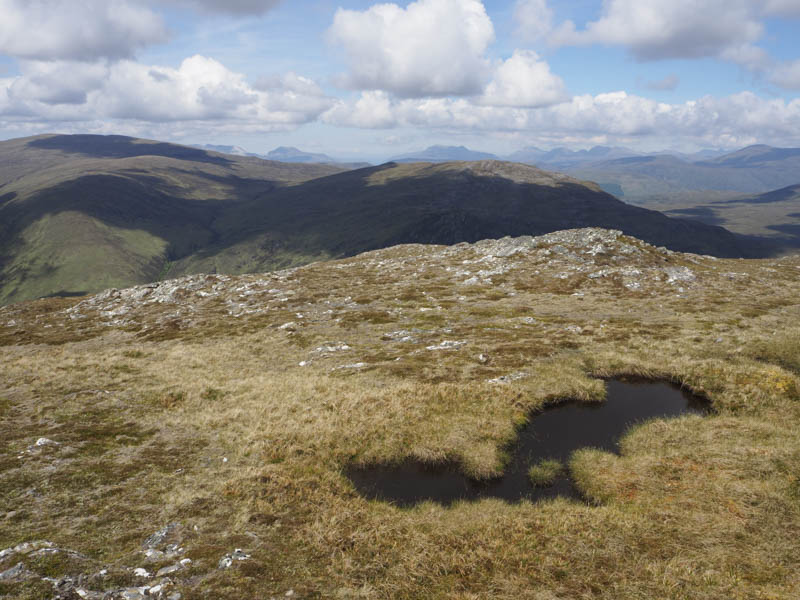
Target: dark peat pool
(553, 433)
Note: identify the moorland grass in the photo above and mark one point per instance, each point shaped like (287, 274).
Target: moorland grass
(692, 507)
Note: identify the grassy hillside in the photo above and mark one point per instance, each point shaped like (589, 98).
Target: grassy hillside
(188, 419)
(447, 203)
(82, 213)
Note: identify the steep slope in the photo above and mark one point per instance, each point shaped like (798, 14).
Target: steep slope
(80, 213)
(446, 203)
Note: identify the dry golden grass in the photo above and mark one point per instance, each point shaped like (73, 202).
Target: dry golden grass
(695, 507)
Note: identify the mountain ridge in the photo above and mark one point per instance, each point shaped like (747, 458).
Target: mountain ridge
(93, 212)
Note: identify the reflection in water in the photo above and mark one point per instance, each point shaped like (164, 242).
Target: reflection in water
(556, 432)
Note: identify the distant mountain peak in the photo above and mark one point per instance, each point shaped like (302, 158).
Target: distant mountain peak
(441, 153)
(292, 154)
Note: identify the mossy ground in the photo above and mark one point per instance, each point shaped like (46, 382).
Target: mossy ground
(694, 507)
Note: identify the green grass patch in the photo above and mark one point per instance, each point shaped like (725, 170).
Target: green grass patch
(545, 472)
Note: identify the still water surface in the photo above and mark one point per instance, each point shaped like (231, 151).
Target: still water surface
(556, 432)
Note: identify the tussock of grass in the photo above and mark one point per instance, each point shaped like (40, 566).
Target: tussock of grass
(545, 472)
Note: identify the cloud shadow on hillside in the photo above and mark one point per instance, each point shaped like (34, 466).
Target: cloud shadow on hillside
(119, 146)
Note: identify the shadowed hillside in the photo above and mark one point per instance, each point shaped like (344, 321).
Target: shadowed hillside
(79, 213)
(84, 213)
(448, 203)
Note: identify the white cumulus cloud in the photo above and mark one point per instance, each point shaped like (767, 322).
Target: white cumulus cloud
(524, 80)
(660, 29)
(534, 19)
(786, 8)
(787, 75)
(69, 30)
(429, 48)
(235, 7)
(612, 118)
(200, 89)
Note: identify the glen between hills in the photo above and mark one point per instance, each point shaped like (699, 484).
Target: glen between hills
(83, 213)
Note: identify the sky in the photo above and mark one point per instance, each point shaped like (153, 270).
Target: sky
(361, 80)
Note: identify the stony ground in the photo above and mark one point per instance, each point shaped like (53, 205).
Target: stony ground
(188, 438)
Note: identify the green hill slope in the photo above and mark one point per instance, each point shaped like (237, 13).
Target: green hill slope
(447, 203)
(82, 213)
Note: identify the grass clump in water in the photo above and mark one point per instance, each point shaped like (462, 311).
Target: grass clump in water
(545, 472)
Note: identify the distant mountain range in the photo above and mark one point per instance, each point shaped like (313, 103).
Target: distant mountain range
(290, 154)
(284, 154)
(642, 178)
(84, 213)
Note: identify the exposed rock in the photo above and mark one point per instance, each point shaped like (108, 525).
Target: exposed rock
(331, 347)
(227, 560)
(358, 365)
(16, 573)
(153, 555)
(160, 536)
(679, 274)
(509, 378)
(447, 345)
(164, 571)
(43, 441)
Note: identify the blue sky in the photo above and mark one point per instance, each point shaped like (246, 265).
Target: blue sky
(366, 80)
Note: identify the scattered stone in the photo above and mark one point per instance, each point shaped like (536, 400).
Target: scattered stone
(43, 441)
(16, 573)
(140, 572)
(160, 536)
(304, 363)
(164, 571)
(483, 358)
(186, 562)
(679, 274)
(358, 365)
(401, 336)
(447, 345)
(227, 560)
(290, 326)
(333, 347)
(509, 378)
(153, 555)
(573, 329)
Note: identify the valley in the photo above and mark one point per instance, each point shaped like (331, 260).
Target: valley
(79, 214)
